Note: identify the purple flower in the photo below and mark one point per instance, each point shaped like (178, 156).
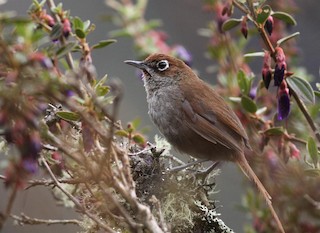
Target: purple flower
(283, 106)
(29, 165)
(278, 75)
(269, 25)
(69, 93)
(182, 53)
(283, 101)
(253, 92)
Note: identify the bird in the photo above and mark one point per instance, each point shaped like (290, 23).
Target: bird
(193, 117)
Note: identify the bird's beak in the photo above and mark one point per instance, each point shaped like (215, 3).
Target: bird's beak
(139, 64)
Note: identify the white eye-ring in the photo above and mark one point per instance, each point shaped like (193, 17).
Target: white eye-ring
(163, 65)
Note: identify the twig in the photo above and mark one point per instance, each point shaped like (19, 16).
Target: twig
(4, 217)
(162, 221)
(271, 48)
(23, 219)
(69, 58)
(75, 201)
(306, 114)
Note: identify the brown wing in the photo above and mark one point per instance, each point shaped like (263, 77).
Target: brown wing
(213, 119)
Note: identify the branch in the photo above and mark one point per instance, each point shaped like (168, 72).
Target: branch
(23, 219)
(75, 201)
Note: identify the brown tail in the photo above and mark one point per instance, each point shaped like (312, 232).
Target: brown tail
(247, 170)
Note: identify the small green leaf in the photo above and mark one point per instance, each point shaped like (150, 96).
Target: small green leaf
(248, 104)
(230, 23)
(120, 33)
(103, 43)
(284, 39)
(68, 116)
(302, 88)
(261, 110)
(263, 14)
(284, 17)
(66, 49)
(152, 24)
(86, 25)
(101, 81)
(56, 32)
(122, 133)
(80, 33)
(235, 99)
(139, 139)
(102, 90)
(135, 122)
(312, 172)
(313, 151)
(275, 131)
(255, 54)
(317, 93)
(243, 82)
(77, 23)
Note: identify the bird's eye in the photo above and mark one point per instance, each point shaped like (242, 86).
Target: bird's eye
(163, 65)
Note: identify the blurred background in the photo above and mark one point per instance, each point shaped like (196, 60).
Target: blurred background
(181, 20)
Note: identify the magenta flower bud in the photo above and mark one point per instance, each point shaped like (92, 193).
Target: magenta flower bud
(49, 20)
(66, 27)
(43, 60)
(294, 151)
(280, 57)
(266, 77)
(266, 70)
(269, 25)
(244, 27)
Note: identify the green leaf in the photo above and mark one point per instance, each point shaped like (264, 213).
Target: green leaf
(261, 110)
(152, 24)
(56, 32)
(102, 90)
(80, 33)
(282, 40)
(66, 49)
(313, 151)
(68, 116)
(235, 99)
(77, 23)
(103, 43)
(230, 23)
(284, 17)
(137, 138)
(255, 54)
(312, 172)
(275, 131)
(248, 104)
(122, 133)
(264, 14)
(86, 25)
(243, 82)
(135, 122)
(302, 88)
(317, 93)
